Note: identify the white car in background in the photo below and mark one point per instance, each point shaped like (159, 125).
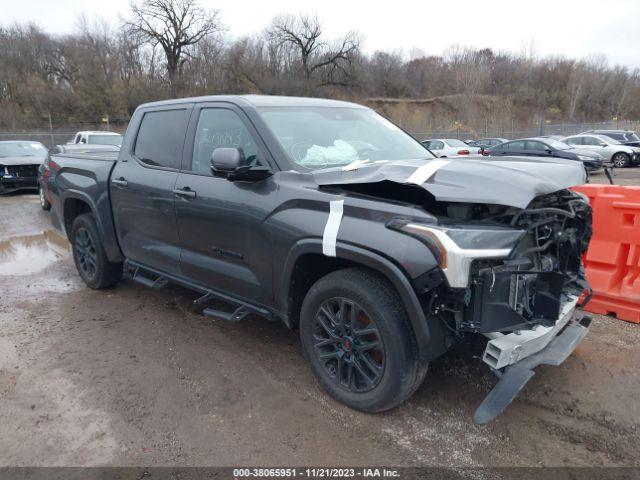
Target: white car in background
(96, 138)
(450, 147)
(611, 150)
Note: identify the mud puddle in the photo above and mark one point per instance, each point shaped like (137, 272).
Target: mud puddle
(25, 255)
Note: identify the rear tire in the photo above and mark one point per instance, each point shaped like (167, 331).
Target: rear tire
(621, 160)
(44, 203)
(353, 320)
(88, 254)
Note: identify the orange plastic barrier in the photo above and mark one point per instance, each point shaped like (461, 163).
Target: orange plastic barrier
(613, 259)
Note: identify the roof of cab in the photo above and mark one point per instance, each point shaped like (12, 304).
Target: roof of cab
(259, 101)
(98, 132)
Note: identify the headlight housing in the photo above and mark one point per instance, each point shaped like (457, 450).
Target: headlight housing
(455, 248)
(584, 157)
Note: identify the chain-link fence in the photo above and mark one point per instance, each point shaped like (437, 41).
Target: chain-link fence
(62, 135)
(561, 129)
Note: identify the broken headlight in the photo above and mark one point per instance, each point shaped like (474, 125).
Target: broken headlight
(455, 248)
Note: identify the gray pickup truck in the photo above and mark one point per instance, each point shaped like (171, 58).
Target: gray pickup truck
(326, 216)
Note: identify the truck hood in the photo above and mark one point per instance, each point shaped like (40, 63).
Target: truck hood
(511, 181)
(12, 161)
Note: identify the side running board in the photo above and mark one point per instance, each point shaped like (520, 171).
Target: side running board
(155, 279)
(157, 283)
(237, 315)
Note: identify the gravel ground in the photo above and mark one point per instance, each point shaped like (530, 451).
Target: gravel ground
(621, 176)
(132, 376)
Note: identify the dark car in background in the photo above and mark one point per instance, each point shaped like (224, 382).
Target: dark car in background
(547, 147)
(484, 143)
(19, 163)
(625, 137)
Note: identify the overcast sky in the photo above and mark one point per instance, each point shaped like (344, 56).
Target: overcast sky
(571, 28)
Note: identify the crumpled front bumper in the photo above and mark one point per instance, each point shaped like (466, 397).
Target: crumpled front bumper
(515, 375)
(10, 184)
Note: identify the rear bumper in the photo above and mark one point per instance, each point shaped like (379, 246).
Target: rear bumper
(10, 184)
(516, 375)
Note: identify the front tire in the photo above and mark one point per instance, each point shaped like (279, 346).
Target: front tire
(88, 254)
(358, 339)
(621, 160)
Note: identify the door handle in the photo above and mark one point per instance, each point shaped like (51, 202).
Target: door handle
(185, 192)
(120, 182)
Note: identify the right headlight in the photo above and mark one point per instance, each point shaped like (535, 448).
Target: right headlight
(455, 248)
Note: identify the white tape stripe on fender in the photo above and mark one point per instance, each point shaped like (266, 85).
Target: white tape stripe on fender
(424, 173)
(331, 228)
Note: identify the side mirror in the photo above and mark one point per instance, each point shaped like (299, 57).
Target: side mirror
(230, 164)
(226, 160)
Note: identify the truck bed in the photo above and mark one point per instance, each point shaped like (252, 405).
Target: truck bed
(80, 181)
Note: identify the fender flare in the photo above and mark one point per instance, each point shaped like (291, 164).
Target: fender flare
(373, 261)
(109, 242)
(82, 196)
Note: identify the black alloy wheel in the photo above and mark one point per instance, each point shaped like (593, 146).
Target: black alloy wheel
(348, 345)
(85, 252)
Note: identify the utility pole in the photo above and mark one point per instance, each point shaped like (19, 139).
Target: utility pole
(51, 144)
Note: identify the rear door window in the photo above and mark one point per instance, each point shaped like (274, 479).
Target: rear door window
(533, 145)
(593, 141)
(161, 138)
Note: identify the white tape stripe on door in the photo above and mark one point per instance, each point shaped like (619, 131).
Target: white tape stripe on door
(331, 228)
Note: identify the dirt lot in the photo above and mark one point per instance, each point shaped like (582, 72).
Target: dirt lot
(132, 376)
(621, 176)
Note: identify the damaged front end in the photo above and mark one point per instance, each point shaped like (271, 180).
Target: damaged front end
(542, 272)
(513, 275)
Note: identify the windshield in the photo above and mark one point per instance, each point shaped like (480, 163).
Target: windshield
(322, 137)
(452, 142)
(105, 139)
(558, 145)
(623, 136)
(22, 149)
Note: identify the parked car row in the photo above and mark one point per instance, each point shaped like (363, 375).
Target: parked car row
(547, 147)
(595, 148)
(23, 162)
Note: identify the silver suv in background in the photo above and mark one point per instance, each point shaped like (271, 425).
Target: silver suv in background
(626, 137)
(611, 150)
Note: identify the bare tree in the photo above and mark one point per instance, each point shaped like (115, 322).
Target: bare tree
(175, 25)
(300, 40)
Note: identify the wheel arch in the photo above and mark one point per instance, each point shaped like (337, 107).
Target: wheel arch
(75, 203)
(626, 154)
(307, 256)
